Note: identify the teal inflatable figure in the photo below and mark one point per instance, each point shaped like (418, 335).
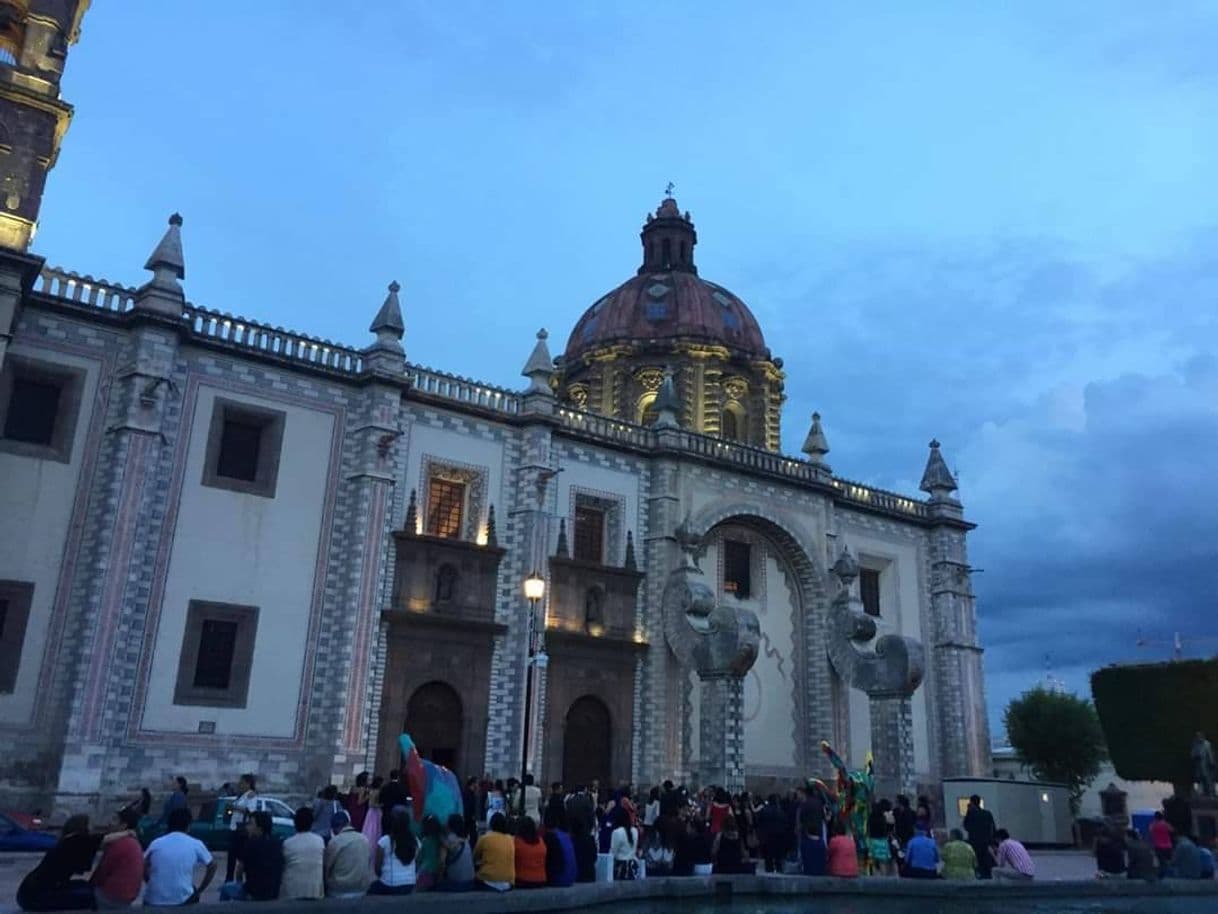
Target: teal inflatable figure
(434, 784)
(855, 791)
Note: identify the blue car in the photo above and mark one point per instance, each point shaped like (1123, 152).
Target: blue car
(16, 837)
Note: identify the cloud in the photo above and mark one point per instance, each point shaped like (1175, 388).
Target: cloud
(1078, 398)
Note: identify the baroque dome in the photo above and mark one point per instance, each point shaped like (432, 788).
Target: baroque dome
(667, 300)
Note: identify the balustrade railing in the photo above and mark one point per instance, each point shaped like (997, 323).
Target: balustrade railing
(246, 334)
(462, 390)
(85, 290)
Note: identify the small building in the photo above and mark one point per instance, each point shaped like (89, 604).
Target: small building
(1034, 812)
(1141, 796)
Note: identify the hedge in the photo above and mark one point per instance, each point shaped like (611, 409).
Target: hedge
(1150, 712)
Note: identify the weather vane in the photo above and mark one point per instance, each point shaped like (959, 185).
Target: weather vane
(668, 189)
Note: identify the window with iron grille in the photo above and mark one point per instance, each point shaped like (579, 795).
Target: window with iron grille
(869, 590)
(589, 540)
(737, 571)
(217, 655)
(244, 445)
(445, 507)
(15, 598)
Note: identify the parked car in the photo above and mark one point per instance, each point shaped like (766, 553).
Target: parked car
(211, 824)
(16, 837)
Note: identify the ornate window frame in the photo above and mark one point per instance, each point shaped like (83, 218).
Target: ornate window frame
(614, 507)
(472, 476)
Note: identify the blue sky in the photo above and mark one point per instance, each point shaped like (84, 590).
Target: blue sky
(994, 226)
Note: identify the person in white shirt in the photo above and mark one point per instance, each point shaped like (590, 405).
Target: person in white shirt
(395, 859)
(169, 865)
(303, 857)
(531, 794)
(242, 807)
(624, 846)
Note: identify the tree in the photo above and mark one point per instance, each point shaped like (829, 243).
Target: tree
(1058, 736)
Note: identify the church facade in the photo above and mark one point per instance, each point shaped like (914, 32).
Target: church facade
(232, 547)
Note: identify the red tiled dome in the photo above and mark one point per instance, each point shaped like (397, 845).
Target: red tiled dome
(668, 306)
(667, 300)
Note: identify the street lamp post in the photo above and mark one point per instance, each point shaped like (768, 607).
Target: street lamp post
(534, 590)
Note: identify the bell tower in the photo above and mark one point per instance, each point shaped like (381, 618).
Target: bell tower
(34, 39)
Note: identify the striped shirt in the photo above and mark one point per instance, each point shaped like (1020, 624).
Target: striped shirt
(1013, 854)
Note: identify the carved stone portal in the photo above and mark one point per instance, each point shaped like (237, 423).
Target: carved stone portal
(721, 643)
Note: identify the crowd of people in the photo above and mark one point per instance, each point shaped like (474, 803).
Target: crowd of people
(368, 840)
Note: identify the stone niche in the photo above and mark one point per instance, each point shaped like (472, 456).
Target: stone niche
(591, 599)
(448, 577)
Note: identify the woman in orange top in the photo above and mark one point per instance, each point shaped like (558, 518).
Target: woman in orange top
(842, 857)
(530, 856)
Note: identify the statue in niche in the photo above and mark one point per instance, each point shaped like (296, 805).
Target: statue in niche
(446, 584)
(594, 611)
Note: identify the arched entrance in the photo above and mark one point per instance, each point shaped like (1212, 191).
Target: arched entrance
(587, 743)
(434, 722)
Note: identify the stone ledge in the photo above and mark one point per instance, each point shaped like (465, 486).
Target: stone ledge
(724, 888)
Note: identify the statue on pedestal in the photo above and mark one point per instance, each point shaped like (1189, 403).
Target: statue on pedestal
(1202, 756)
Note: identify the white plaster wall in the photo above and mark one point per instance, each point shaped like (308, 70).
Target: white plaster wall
(448, 445)
(36, 499)
(900, 613)
(237, 548)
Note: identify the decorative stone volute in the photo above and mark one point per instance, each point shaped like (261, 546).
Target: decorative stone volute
(163, 293)
(893, 665)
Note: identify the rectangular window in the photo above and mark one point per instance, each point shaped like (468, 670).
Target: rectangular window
(589, 540)
(38, 406)
(15, 598)
(445, 508)
(217, 655)
(869, 590)
(737, 573)
(243, 448)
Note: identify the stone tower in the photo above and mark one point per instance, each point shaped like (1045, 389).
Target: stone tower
(34, 40)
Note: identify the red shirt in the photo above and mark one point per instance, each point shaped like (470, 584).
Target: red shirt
(1160, 835)
(120, 873)
(718, 812)
(843, 858)
(530, 861)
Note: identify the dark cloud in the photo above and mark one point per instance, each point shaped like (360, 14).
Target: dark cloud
(1079, 402)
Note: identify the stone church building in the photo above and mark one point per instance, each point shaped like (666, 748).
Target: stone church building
(227, 546)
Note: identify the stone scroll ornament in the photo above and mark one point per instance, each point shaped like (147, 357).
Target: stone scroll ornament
(893, 667)
(435, 784)
(714, 639)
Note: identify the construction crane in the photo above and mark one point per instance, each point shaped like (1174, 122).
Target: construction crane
(1176, 643)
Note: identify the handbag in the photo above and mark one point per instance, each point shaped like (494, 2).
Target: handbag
(625, 870)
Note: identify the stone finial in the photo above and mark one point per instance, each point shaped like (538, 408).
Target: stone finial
(937, 479)
(846, 568)
(492, 537)
(668, 404)
(163, 293)
(387, 325)
(630, 564)
(561, 551)
(411, 524)
(540, 366)
(816, 446)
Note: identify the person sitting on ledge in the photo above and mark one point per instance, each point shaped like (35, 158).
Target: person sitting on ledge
(50, 886)
(1011, 860)
(812, 850)
(842, 857)
(1185, 859)
(530, 860)
(728, 850)
(458, 857)
(260, 868)
(1109, 854)
(921, 857)
(1141, 856)
(120, 872)
(959, 858)
(346, 861)
(396, 854)
(169, 865)
(495, 856)
(560, 851)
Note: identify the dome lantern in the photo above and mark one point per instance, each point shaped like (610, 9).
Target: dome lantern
(668, 240)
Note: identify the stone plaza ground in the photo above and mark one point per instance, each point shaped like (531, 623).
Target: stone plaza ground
(1052, 866)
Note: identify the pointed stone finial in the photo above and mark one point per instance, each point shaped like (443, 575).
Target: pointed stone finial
(492, 537)
(561, 550)
(411, 524)
(668, 404)
(387, 325)
(937, 479)
(163, 293)
(630, 564)
(816, 446)
(540, 366)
